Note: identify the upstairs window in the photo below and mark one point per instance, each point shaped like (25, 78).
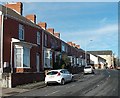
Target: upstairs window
(38, 38)
(45, 40)
(63, 47)
(21, 32)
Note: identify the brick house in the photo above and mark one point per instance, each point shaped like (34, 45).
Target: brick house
(28, 48)
(21, 47)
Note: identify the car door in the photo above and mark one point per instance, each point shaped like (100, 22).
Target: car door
(67, 75)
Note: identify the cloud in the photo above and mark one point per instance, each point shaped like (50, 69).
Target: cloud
(105, 37)
(104, 30)
(103, 20)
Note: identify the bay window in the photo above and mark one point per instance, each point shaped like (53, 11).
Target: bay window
(21, 57)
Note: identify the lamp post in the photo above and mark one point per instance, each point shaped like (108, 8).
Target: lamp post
(86, 52)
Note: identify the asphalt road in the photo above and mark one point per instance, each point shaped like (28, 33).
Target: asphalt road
(102, 83)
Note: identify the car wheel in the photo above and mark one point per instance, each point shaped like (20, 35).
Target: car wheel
(62, 81)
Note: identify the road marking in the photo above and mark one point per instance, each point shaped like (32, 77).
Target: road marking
(52, 93)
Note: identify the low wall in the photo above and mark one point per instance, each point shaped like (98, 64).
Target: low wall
(25, 78)
(76, 70)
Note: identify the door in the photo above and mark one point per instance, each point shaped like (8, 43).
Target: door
(38, 62)
(68, 75)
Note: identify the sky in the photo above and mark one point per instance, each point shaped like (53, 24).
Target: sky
(92, 25)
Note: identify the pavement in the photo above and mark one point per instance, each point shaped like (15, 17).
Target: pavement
(27, 87)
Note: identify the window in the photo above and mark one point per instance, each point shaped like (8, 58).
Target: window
(45, 40)
(63, 47)
(38, 38)
(21, 32)
(22, 57)
(18, 56)
(26, 57)
(77, 60)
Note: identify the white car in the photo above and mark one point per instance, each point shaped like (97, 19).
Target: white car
(58, 76)
(88, 69)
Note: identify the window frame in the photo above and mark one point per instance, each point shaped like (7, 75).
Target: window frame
(22, 56)
(21, 32)
(38, 38)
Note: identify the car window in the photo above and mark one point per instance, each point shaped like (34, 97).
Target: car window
(62, 71)
(88, 67)
(52, 73)
(67, 72)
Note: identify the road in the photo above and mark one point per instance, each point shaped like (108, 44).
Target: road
(102, 83)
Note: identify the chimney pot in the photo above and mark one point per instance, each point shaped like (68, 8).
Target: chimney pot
(51, 30)
(57, 34)
(70, 43)
(31, 17)
(18, 7)
(43, 25)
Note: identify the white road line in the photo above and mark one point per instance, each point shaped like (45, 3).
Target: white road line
(52, 93)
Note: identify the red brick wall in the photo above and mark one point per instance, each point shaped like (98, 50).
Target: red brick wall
(17, 7)
(24, 78)
(11, 31)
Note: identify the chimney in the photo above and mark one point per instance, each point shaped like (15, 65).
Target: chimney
(69, 43)
(78, 46)
(57, 34)
(51, 30)
(43, 25)
(31, 17)
(73, 44)
(17, 7)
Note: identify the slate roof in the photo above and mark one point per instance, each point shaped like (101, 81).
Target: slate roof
(104, 52)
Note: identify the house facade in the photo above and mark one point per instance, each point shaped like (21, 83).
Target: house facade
(97, 62)
(28, 48)
(107, 55)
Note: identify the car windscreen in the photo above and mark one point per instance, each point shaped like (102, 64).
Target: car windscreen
(52, 73)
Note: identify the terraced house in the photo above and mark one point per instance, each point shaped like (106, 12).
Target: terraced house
(28, 48)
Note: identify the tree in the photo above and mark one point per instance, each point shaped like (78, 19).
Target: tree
(65, 61)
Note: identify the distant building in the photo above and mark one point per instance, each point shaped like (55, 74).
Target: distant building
(107, 55)
(97, 61)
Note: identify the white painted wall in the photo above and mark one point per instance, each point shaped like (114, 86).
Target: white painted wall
(108, 59)
(94, 59)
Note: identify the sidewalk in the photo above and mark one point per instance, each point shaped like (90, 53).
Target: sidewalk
(28, 87)
(22, 88)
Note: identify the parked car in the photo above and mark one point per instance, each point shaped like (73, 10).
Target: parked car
(88, 69)
(60, 76)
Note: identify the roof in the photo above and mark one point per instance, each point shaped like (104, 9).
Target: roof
(104, 52)
(97, 56)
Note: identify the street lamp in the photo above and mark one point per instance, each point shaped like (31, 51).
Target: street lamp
(86, 52)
